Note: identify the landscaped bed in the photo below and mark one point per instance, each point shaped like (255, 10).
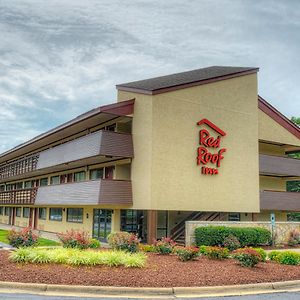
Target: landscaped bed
(160, 271)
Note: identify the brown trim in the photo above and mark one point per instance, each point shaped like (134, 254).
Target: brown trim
(278, 117)
(123, 108)
(185, 85)
(151, 226)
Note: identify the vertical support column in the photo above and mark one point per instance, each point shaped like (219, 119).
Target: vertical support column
(116, 220)
(151, 225)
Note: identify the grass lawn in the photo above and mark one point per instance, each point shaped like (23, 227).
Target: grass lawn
(41, 241)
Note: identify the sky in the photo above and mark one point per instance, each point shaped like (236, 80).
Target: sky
(60, 58)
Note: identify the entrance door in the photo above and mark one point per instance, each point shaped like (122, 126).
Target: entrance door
(102, 224)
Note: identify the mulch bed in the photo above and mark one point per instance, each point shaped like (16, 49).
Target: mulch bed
(161, 271)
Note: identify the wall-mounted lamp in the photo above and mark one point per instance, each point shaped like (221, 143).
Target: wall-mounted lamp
(64, 209)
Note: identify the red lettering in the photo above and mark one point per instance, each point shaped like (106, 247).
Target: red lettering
(205, 157)
(208, 141)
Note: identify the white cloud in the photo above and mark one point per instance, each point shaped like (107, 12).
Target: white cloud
(61, 58)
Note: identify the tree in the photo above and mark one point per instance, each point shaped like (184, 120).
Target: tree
(296, 120)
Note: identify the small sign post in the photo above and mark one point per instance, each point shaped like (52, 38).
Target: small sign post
(272, 216)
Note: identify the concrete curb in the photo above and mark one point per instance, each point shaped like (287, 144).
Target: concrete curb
(97, 291)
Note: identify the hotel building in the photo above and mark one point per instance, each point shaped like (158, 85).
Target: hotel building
(197, 145)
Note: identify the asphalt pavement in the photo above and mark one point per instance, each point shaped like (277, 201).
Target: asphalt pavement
(273, 296)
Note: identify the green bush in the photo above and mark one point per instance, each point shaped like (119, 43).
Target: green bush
(124, 241)
(262, 253)
(216, 235)
(231, 242)
(22, 238)
(164, 246)
(76, 257)
(94, 244)
(247, 257)
(147, 248)
(289, 258)
(274, 255)
(203, 250)
(187, 253)
(217, 252)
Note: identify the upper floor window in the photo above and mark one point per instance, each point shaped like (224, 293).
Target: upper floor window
(111, 127)
(79, 176)
(2, 187)
(28, 184)
(96, 174)
(8, 187)
(19, 185)
(44, 181)
(55, 180)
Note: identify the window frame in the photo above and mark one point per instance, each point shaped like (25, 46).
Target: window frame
(51, 214)
(77, 173)
(25, 215)
(40, 214)
(20, 210)
(75, 218)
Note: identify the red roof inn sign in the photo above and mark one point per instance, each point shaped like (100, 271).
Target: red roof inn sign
(207, 144)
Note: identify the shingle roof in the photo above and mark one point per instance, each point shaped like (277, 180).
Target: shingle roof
(185, 79)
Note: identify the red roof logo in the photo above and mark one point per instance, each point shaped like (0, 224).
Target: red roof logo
(212, 125)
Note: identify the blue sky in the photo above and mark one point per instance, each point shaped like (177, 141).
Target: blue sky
(60, 58)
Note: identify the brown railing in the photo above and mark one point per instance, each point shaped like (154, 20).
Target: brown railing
(19, 167)
(279, 166)
(24, 196)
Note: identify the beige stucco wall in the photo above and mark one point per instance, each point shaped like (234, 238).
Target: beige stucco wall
(165, 175)
(270, 130)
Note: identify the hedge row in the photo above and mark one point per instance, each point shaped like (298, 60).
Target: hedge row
(247, 236)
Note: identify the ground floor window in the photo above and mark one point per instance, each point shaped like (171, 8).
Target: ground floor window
(134, 221)
(26, 212)
(1, 210)
(234, 217)
(162, 224)
(42, 213)
(75, 215)
(18, 212)
(7, 211)
(55, 214)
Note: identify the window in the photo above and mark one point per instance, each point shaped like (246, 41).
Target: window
(18, 212)
(42, 213)
(2, 188)
(7, 211)
(19, 185)
(96, 174)
(43, 181)
(75, 215)
(55, 214)
(28, 184)
(55, 180)
(1, 210)
(26, 212)
(8, 187)
(234, 217)
(111, 127)
(79, 176)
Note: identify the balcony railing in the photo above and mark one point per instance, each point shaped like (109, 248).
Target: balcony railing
(108, 144)
(276, 200)
(19, 167)
(95, 192)
(24, 196)
(279, 166)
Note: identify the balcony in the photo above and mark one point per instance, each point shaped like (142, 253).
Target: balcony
(98, 192)
(101, 145)
(283, 201)
(279, 166)
(19, 197)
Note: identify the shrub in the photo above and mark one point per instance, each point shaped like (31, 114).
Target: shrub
(262, 253)
(164, 246)
(217, 252)
(187, 253)
(203, 250)
(124, 241)
(247, 257)
(75, 239)
(76, 257)
(247, 236)
(274, 255)
(147, 248)
(289, 258)
(22, 238)
(94, 244)
(294, 238)
(231, 242)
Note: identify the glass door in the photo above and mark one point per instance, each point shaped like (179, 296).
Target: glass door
(102, 224)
